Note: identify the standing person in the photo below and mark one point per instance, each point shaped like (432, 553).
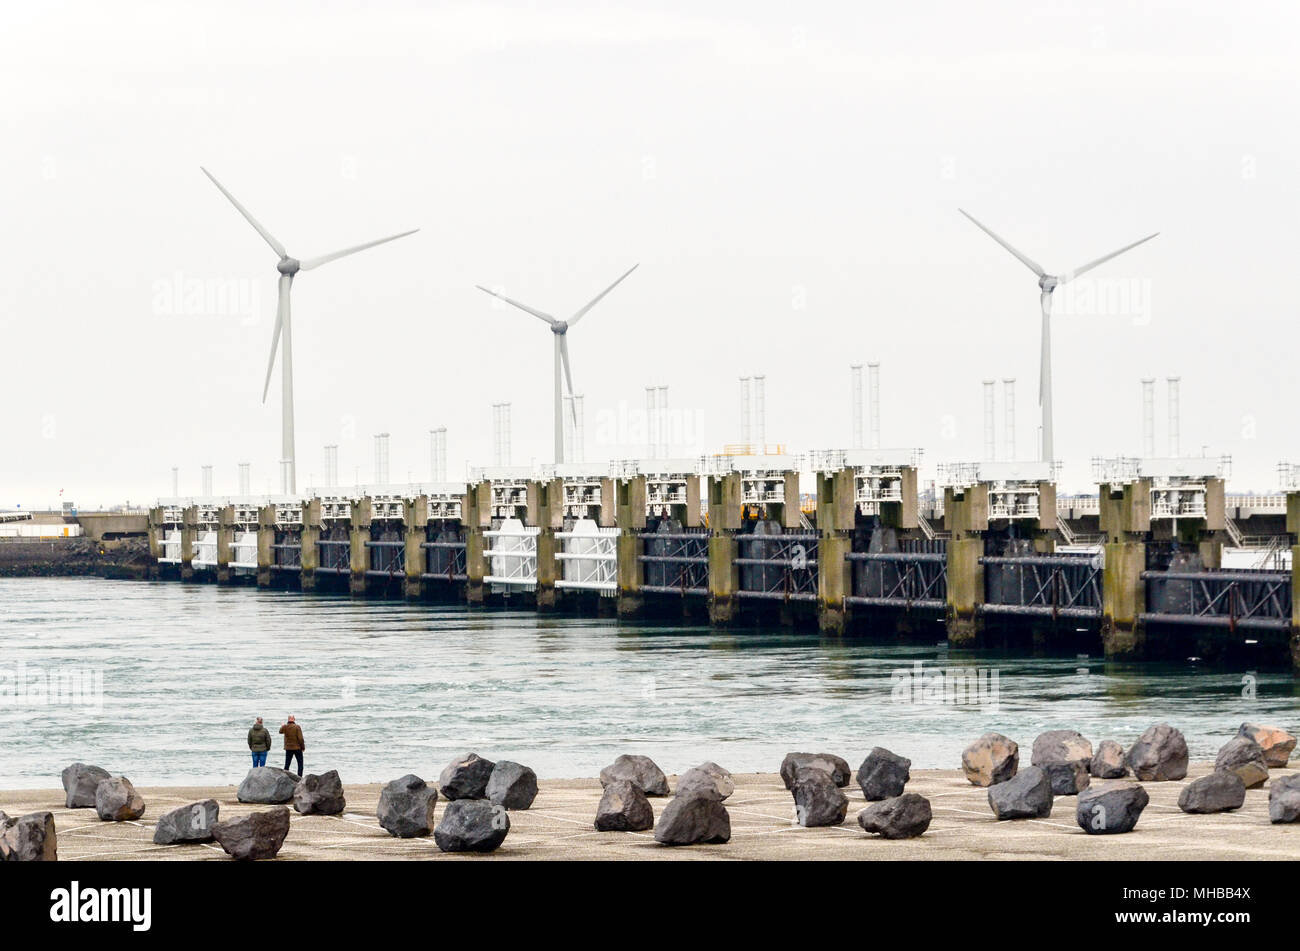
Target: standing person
(259, 743)
(293, 743)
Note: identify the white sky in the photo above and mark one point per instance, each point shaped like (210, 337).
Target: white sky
(790, 187)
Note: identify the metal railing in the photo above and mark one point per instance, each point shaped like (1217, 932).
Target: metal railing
(778, 567)
(674, 563)
(899, 579)
(1055, 586)
(1231, 599)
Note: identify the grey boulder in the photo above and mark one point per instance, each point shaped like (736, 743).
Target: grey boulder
(708, 780)
(190, 823)
(406, 806)
(991, 759)
(1111, 808)
(640, 771)
(1245, 757)
(883, 774)
(1284, 799)
(1109, 761)
(1026, 795)
(512, 785)
(267, 785)
(117, 801)
(624, 808)
(466, 778)
(902, 817)
(29, 838)
(817, 800)
(837, 766)
(472, 825)
(253, 837)
(693, 820)
(79, 784)
(1276, 743)
(1218, 792)
(1159, 754)
(1066, 757)
(320, 795)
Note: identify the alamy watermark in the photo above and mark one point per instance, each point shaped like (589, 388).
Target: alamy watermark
(945, 686)
(23, 686)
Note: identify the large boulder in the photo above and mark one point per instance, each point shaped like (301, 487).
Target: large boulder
(79, 784)
(512, 785)
(1245, 757)
(883, 774)
(258, 835)
(1284, 799)
(267, 785)
(1026, 795)
(1066, 757)
(29, 838)
(1218, 792)
(472, 825)
(817, 800)
(902, 817)
(117, 801)
(693, 820)
(837, 766)
(1111, 808)
(466, 778)
(320, 795)
(405, 807)
(1109, 761)
(640, 771)
(1276, 743)
(708, 780)
(1159, 754)
(190, 823)
(624, 808)
(990, 760)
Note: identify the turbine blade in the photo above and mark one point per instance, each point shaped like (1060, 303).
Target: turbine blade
(276, 246)
(540, 315)
(568, 375)
(327, 258)
(281, 309)
(1026, 261)
(1102, 260)
(596, 300)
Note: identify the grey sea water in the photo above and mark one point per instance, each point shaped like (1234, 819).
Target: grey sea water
(386, 688)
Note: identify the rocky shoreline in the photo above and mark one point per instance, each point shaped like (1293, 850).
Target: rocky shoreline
(75, 558)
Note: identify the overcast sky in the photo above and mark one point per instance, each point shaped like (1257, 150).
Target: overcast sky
(788, 180)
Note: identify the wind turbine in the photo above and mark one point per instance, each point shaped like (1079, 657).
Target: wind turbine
(1048, 283)
(288, 267)
(560, 328)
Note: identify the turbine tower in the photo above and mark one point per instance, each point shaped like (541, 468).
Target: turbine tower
(288, 267)
(1048, 283)
(563, 373)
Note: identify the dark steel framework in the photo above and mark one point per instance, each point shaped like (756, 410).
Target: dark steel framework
(1055, 586)
(675, 563)
(1231, 599)
(778, 567)
(914, 579)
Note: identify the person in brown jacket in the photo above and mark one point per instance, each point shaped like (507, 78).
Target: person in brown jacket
(293, 743)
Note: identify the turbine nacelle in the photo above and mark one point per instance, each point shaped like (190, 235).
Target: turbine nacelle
(559, 327)
(288, 266)
(1048, 283)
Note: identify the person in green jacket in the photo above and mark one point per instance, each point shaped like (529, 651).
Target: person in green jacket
(259, 742)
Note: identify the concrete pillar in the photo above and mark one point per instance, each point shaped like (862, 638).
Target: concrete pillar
(836, 515)
(545, 511)
(966, 513)
(725, 519)
(476, 516)
(629, 509)
(225, 543)
(189, 533)
(156, 533)
(415, 518)
(791, 513)
(265, 539)
(358, 535)
(310, 553)
(1123, 598)
(1125, 518)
